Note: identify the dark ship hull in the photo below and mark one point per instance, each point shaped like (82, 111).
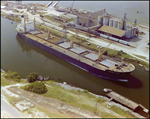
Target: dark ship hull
(107, 74)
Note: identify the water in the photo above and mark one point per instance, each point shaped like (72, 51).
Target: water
(19, 56)
(117, 8)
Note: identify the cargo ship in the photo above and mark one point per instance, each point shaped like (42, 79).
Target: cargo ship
(81, 57)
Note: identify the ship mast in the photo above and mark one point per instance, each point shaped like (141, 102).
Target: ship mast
(27, 19)
(34, 24)
(24, 25)
(122, 62)
(16, 23)
(71, 44)
(48, 34)
(100, 57)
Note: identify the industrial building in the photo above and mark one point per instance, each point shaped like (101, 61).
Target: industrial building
(109, 25)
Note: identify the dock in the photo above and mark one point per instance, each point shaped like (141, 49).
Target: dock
(124, 101)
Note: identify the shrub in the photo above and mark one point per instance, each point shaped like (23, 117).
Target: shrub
(9, 71)
(14, 73)
(17, 80)
(85, 91)
(100, 100)
(6, 76)
(32, 77)
(36, 87)
(18, 77)
(10, 76)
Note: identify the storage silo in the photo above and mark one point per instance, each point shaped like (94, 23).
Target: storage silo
(100, 19)
(105, 21)
(131, 32)
(134, 32)
(115, 23)
(120, 25)
(124, 22)
(128, 33)
(111, 22)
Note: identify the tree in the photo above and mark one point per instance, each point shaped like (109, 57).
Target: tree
(32, 77)
(36, 87)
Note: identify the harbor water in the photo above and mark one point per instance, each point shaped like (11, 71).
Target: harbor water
(19, 56)
(116, 8)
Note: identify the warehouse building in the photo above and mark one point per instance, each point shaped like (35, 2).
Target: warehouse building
(110, 25)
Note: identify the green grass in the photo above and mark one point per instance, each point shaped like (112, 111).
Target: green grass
(54, 32)
(140, 56)
(50, 114)
(141, 33)
(6, 82)
(40, 12)
(81, 99)
(12, 99)
(122, 112)
(58, 92)
(106, 115)
(12, 17)
(9, 81)
(52, 18)
(111, 53)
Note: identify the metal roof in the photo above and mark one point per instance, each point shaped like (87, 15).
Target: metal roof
(34, 32)
(92, 56)
(64, 45)
(112, 30)
(77, 50)
(108, 63)
(94, 16)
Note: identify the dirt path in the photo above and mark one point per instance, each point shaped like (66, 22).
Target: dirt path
(55, 107)
(31, 105)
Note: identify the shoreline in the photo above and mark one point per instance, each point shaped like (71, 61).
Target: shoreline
(70, 87)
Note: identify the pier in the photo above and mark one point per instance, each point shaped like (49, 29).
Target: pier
(124, 101)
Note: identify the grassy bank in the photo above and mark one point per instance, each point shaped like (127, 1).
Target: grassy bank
(53, 19)
(80, 99)
(11, 78)
(11, 17)
(83, 100)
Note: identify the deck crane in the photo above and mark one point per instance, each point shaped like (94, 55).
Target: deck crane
(71, 7)
(66, 26)
(101, 53)
(49, 4)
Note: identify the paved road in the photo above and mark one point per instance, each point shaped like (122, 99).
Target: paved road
(9, 110)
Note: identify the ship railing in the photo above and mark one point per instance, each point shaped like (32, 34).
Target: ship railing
(71, 53)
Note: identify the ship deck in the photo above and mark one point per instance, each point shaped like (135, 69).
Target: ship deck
(40, 37)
